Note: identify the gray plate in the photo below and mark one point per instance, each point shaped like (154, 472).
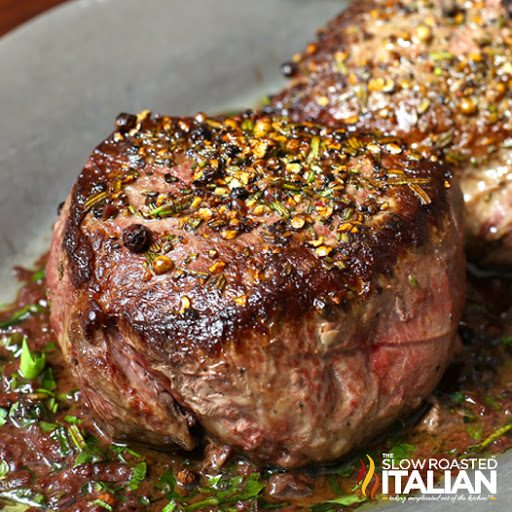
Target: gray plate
(66, 75)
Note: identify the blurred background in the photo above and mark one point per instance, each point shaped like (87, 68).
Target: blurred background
(15, 12)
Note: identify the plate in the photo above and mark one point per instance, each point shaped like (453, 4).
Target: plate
(67, 74)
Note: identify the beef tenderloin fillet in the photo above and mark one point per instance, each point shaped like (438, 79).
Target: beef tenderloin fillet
(299, 291)
(437, 74)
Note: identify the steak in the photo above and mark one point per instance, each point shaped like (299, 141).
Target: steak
(437, 74)
(285, 288)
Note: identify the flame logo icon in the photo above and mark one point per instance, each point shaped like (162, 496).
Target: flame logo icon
(366, 475)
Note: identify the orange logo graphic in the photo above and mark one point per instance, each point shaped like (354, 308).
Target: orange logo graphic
(366, 475)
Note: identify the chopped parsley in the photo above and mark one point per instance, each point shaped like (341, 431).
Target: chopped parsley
(22, 314)
(137, 476)
(31, 365)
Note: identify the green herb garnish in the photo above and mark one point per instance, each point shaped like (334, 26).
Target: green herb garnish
(457, 397)
(4, 469)
(170, 507)
(402, 450)
(413, 281)
(492, 402)
(49, 383)
(166, 210)
(21, 315)
(211, 501)
(167, 484)
(475, 431)
(3, 416)
(441, 55)
(348, 500)
(39, 275)
(315, 149)
(493, 437)
(505, 340)
(137, 476)
(102, 504)
(91, 453)
(72, 420)
(77, 437)
(59, 434)
(52, 405)
(24, 497)
(31, 365)
(279, 208)
(47, 427)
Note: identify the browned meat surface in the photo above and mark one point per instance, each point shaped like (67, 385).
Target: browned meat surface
(288, 289)
(436, 73)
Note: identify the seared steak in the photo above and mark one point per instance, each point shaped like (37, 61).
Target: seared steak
(289, 289)
(438, 74)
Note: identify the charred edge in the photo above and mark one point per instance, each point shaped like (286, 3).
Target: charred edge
(92, 319)
(77, 247)
(507, 5)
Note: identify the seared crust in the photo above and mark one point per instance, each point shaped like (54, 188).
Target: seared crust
(287, 218)
(437, 74)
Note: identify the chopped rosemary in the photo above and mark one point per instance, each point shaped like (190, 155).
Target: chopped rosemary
(315, 149)
(279, 208)
(94, 200)
(77, 437)
(494, 436)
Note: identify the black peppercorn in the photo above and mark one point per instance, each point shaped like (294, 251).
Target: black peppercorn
(169, 178)
(97, 212)
(232, 150)
(451, 9)
(137, 238)
(202, 132)
(125, 122)
(289, 69)
(239, 193)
